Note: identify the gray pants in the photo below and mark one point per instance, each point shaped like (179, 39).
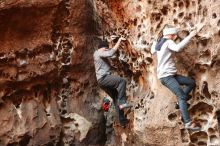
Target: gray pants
(115, 87)
(173, 83)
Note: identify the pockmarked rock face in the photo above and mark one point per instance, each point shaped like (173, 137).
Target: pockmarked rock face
(48, 89)
(155, 121)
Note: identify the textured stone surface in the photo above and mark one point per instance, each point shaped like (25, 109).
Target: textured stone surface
(155, 120)
(47, 89)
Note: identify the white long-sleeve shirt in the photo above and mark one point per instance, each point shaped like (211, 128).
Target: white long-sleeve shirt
(165, 62)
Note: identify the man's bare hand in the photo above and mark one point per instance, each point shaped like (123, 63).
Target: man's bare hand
(113, 37)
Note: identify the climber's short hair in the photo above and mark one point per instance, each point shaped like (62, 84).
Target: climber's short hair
(103, 44)
(169, 29)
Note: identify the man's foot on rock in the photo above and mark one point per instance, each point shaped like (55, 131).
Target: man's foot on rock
(125, 105)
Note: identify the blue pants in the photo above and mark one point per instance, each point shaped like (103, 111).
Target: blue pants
(115, 87)
(174, 83)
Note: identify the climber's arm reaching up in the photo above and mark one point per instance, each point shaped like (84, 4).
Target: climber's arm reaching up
(178, 47)
(103, 52)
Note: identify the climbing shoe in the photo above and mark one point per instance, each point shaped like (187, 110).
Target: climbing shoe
(192, 126)
(124, 106)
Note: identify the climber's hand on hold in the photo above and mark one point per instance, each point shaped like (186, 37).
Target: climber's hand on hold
(118, 43)
(193, 33)
(113, 37)
(122, 38)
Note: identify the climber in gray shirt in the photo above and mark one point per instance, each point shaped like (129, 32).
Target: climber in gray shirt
(114, 86)
(167, 72)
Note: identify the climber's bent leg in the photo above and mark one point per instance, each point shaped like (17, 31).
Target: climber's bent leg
(109, 84)
(171, 83)
(116, 82)
(188, 82)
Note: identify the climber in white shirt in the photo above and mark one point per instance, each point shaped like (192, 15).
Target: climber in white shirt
(167, 72)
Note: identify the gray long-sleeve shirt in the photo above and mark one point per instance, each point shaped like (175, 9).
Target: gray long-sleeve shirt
(102, 65)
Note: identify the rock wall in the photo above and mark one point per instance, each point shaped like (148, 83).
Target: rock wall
(48, 89)
(155, 120)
